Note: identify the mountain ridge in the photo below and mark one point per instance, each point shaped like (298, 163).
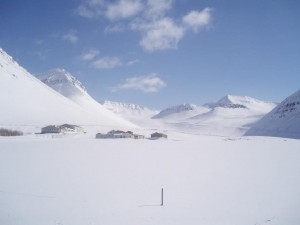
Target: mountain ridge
(282, 121)
(26, 101)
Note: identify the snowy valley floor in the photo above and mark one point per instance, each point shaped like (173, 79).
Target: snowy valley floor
(207, 181)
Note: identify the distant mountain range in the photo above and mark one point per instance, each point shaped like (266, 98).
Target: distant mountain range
(58, 97)
(231, 115)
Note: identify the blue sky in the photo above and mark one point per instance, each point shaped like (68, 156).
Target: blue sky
(159, 53)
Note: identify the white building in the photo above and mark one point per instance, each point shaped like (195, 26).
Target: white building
(65, 128)
(119, 134)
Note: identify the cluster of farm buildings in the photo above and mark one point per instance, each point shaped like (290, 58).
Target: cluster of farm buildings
(69, 128)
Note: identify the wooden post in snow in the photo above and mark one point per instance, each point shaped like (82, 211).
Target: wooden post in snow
(162, 197)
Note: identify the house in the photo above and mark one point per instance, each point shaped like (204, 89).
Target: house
(119, 134)
(158, 135)
(51, 129)
(99, 135)
(65, 128)
(138, 136)
(72, 128)
(115, 134)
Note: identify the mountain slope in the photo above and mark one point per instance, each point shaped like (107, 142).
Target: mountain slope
(282, 121)
(129, 111)
(181, 111)
(63, 82)
(231, 115)
(231, 101)
(26, 101)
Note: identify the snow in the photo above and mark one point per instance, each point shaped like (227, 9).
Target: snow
(28, 104)
(63, 82)
(219, 178)
(230, 116)
(67, 85)
(206, 180)
(282, 121)
(131, 112)
(183, 110)
(231, 101)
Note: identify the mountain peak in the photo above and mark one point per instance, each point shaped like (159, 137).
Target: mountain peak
(233, 101)
(62, 81)
(175, 109)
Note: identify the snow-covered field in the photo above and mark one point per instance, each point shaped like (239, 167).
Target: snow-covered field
(207, 180)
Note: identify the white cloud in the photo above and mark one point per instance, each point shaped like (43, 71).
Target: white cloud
(71, 36)
(91, 8)
(160, 34)
(123, 9)
(197, 19)
(149, 17)
(132, 62)
(117, 28)
(90, 55)
(148, 84)
(107, 63)
(158, 8)
(84, 11)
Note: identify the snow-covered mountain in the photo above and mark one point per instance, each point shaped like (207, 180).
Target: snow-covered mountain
(282, 121)
(129, 111)
(181, 111)
(231, 115)
(26, 101)
(230, 101)
(63, 82)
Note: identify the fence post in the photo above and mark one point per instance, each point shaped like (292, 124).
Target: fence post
(162, 197)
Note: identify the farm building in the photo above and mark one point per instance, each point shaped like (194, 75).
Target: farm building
(138, 136)
(115, 134)
(119, 134)
(65, 128)
(158, 135)
(72, 128)
(51, 129)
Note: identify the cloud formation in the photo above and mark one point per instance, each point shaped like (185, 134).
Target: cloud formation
(107, 62)
(160, 34)
(148, 84)
(91, 8)
(123, 9)
(71, 36)
(90, 55)
(197, 19)
(157, 8)
(149, 17)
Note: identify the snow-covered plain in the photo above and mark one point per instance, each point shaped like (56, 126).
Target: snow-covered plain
(75, 179)
(206, 180)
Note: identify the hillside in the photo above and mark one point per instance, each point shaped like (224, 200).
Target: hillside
(129, 111)
(66, 84)
(282, 121)
(27, 102)
(231, 115)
